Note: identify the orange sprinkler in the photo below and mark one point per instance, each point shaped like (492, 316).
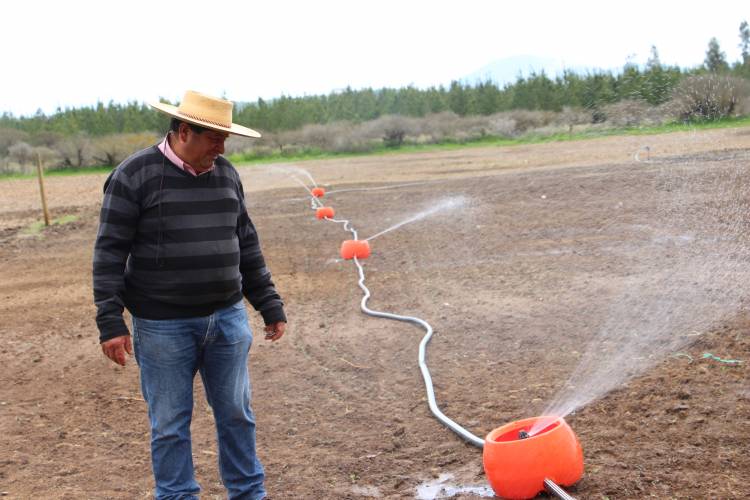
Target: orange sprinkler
(355, 248)
(318, 192)
(519, 465)
(324, 213)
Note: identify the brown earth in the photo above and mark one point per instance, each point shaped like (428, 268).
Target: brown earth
(514, 283)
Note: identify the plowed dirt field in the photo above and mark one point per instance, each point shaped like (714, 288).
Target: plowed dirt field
(515, 282)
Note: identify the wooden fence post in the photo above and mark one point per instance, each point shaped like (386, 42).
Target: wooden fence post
(40, 174)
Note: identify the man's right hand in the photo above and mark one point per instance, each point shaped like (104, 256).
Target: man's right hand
(116, 348)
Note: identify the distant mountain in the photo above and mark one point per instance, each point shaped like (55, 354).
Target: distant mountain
(507, 70)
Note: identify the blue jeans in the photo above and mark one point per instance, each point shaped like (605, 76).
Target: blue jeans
(169, 353)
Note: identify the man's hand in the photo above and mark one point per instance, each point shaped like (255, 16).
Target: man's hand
(275, 331)
(116, 348)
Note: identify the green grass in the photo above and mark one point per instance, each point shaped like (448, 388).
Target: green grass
(60, 172)
(530, 138)
(36, 228)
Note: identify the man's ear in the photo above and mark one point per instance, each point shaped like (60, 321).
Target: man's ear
(183, 132)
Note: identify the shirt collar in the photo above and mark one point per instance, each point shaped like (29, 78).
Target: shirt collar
(167, 150)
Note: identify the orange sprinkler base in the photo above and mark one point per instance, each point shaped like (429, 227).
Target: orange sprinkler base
(318, 192)
(324, 212)
(517, 466)
(355, 248)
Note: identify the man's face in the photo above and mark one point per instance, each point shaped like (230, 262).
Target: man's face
(200, 150)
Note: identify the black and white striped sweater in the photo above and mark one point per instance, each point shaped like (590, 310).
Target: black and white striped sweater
(171, 245)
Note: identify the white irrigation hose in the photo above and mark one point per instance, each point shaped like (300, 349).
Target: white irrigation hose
(468, 436)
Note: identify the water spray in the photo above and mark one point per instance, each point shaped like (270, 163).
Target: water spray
(519, 462)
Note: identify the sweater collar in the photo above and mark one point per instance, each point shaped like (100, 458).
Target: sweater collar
(167, 151)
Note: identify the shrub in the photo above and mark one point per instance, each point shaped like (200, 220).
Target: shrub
(74, 151)
(391, 130)
(743, 107)
(45, 138)
(112, 149)
(10, 136)
(633, 113)
(527, 119)
(394, 137)
(22, 157)
(5, 166)
(709, 97)
(49, 156)
(570, 117)
(236, 144)
(22, 153)
(316, 136)
(439, 127)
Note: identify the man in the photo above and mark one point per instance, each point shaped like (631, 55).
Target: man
(177, 249)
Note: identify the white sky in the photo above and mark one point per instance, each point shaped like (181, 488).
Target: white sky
(74, 53)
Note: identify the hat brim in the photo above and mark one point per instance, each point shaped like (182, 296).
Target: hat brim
(175, 112)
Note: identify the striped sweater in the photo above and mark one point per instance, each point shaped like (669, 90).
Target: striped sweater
(171, 245)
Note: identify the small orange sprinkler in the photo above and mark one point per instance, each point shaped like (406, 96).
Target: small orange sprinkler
(324, 212)
(520, 464)
(355, 248)
(318, 192)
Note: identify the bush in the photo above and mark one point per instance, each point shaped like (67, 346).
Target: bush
(22, 153)
(439, 127)
(23, 157)
(5, 166)
(634, 113)
(110, 150)
(395, 130)
(569, 117)
(49, 156)
(527, 119)
(390, 130)
(236, 144)
(709, 97)
(10, 136)
(74, 151)
(743, 107)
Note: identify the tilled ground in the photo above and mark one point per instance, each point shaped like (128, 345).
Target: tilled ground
(515, 282)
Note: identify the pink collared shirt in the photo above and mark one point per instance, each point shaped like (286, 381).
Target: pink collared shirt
(167, 150)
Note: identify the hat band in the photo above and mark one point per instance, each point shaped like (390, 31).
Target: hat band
(201, 119)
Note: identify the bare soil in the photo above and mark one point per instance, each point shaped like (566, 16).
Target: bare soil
(514, 283)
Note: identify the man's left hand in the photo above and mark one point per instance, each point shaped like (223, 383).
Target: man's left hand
(275, 331)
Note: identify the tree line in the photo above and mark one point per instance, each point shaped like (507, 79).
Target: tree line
(653, 83)
(363, 120)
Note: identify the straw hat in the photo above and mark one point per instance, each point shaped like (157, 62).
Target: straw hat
(209, 112)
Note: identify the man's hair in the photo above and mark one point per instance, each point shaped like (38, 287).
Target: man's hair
(174, 126)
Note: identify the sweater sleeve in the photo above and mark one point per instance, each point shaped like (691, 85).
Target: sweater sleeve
(256, 278)
(117, 227)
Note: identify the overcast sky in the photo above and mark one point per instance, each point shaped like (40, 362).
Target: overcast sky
(73, 53)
